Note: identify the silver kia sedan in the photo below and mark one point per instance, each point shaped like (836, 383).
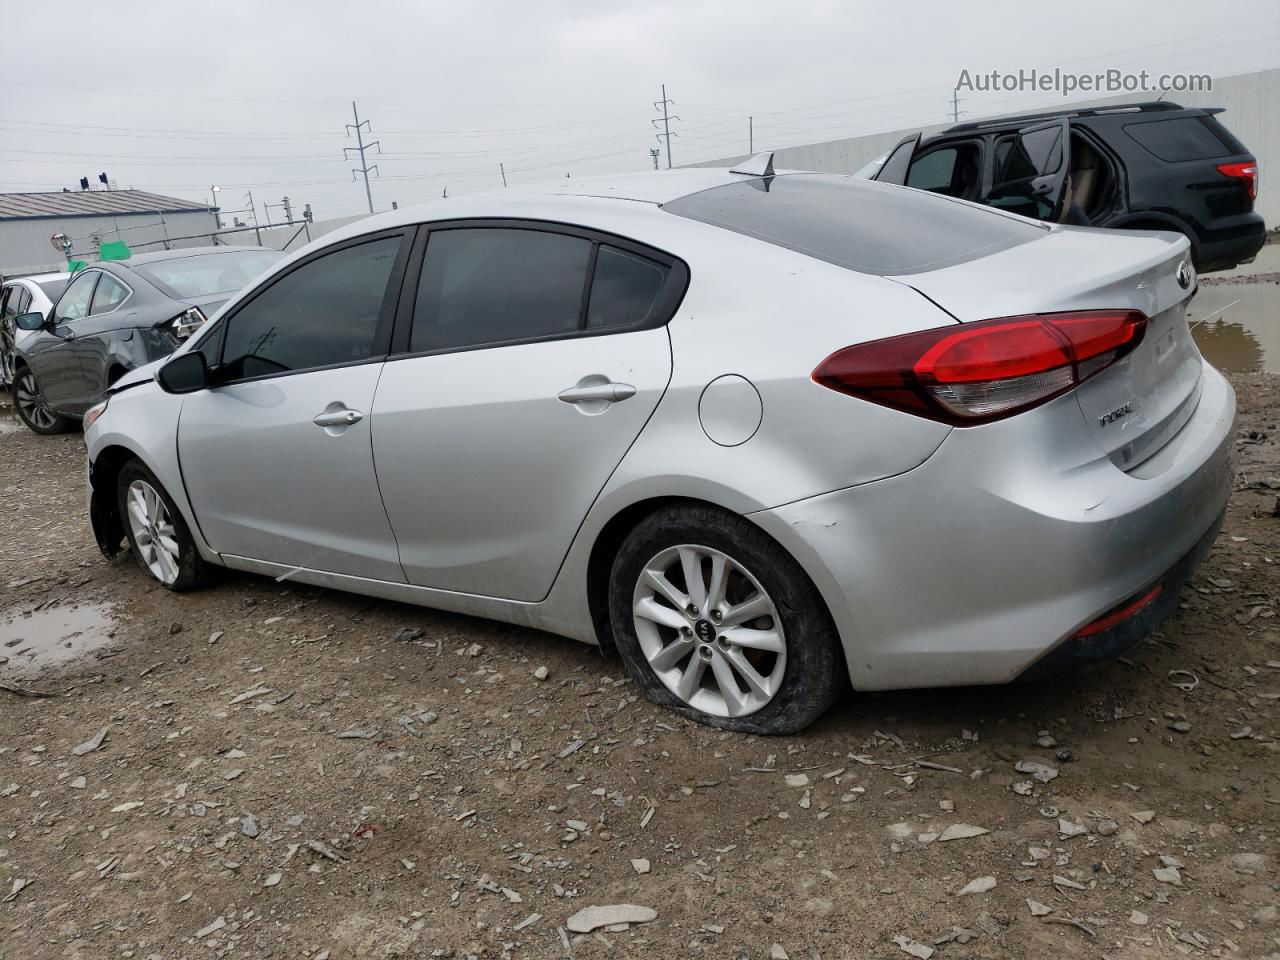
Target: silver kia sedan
(762, 434)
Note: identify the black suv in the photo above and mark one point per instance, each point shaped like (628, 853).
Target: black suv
(1145, 166)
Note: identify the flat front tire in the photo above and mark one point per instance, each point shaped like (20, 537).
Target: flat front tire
(158, 537)
(714, 620)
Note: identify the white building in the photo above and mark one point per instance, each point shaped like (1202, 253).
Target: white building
(145, 221)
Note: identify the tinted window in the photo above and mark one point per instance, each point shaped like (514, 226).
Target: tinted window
(52, 288)
(934, 170)
(1181, 138)
(1031, 155)
(324, 312)
(857, 224)
(492, 285)
(204, 275)
(624, 289)
(12, 298)
(75, 302)
(109, 294)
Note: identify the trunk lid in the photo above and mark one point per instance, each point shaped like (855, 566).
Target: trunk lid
(1139, 403)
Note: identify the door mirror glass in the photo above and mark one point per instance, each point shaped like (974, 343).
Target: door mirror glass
(185, 373)
(30, 321)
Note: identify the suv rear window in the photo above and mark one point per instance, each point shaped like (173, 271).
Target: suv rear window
(857, 224)
(1181, 138)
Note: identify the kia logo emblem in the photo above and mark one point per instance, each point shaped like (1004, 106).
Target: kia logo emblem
(706, 633)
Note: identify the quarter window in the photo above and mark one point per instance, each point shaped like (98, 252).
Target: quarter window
(110, 293)
(491, 285)
(325, 312)
(74, 304)
(624, 289)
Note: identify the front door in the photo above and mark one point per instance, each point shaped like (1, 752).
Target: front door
(52, 352)
(520, 392)
(277, 458)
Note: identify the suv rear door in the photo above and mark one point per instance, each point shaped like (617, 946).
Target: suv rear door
(1030, 176)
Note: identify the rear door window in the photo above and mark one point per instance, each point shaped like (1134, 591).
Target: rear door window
(110, 293)
(1179, 138)
(488, 285)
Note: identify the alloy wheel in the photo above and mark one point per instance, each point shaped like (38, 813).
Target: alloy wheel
(709, 630)
(31, 402)
(153, 531)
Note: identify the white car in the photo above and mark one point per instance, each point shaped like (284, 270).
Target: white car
(35, 294)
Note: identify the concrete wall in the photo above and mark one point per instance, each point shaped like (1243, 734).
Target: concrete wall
(1251, 100)
(25, 247)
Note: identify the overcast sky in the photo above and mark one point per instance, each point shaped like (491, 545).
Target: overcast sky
(174, 96)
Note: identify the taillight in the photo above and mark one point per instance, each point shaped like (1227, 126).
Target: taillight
(978, 372)
(188, 322)
(1247, 171)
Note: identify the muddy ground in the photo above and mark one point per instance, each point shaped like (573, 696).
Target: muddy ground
(286, 773)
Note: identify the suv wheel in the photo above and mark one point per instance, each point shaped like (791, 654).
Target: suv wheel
(716, 621)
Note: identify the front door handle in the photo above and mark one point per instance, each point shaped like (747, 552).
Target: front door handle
(338, 418)
(608, 391)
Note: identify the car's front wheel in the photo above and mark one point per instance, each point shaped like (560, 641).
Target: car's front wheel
(31, 406)
(158, 536)
(715, 620)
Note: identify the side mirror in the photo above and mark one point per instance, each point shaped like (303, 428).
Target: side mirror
(185, 373)
(29, 321)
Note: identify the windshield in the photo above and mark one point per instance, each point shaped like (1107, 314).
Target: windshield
(857, 224)
(209, 274)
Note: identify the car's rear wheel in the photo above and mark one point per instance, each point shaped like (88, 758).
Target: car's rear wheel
(158, 536)
(31, 406)
(716, 621)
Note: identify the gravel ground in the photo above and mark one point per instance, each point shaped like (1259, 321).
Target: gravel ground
(289, 772)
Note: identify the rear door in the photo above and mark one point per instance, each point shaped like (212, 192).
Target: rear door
(1031, 175)
(94, 334)
(898, 162)
(534, 357)
(277, 459)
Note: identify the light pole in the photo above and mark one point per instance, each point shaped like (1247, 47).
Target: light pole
(213, 202)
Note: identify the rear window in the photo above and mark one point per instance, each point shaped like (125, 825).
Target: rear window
(857, 224)
(1183, 138)
(204, 275)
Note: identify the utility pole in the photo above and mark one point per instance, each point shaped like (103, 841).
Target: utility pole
(254, 210)
(667, 117)
(359, 126)
(288, 210)
(751, 135)
(955, 106)
(503, 170)
(654, 152)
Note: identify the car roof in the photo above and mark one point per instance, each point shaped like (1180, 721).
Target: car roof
(999, 123)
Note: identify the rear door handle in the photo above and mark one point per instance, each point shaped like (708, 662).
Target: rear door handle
(338, 418)
(608, 391)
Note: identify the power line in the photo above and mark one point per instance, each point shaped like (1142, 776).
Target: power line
(364, 167)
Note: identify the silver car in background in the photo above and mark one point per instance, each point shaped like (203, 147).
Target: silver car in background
(761, 434)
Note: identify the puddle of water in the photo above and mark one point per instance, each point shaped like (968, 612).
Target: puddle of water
(34, 640)
(1237, 325)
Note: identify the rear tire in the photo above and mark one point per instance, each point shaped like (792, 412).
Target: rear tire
(750, 648)
(158, 536)
(31, 407)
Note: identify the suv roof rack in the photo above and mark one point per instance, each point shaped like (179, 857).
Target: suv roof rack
(1150, 106)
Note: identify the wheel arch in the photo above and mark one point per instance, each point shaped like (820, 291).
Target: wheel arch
(609, 540)
(104, 512)
(1153, 220)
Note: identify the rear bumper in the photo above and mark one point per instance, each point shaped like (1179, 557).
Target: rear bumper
(976, 565)
(1232, 241)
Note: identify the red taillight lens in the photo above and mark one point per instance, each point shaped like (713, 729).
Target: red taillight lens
(1248, 172)
(979, 372)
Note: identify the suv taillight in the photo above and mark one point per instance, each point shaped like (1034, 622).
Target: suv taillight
(978, 372)
(1248, 172)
